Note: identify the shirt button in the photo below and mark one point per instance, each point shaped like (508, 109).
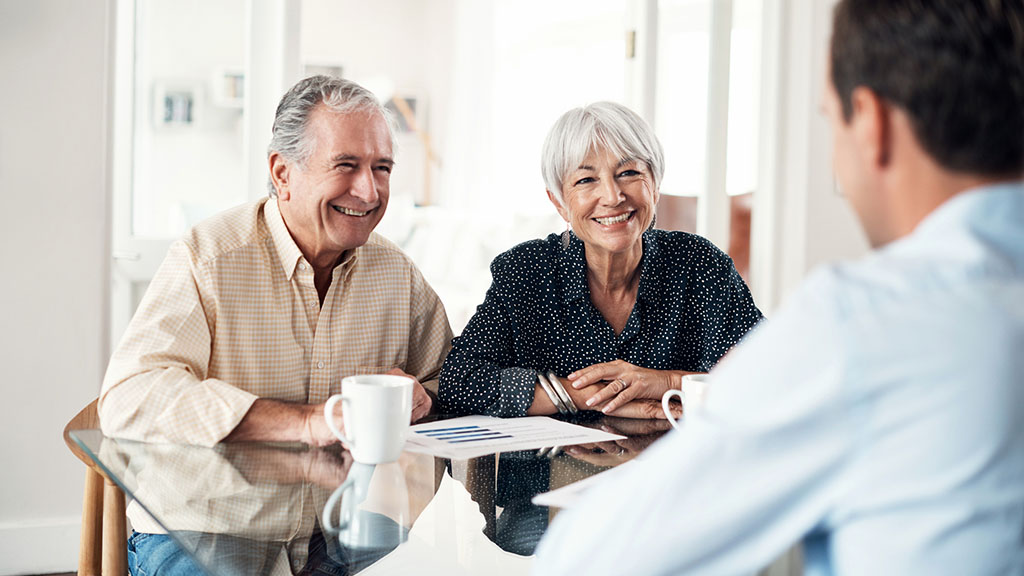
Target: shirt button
(320, 365)
(302, 266)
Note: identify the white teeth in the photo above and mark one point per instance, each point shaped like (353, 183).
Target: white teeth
(350, 212)
(614, 219)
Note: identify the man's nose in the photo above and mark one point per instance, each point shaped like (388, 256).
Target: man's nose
(364, 187)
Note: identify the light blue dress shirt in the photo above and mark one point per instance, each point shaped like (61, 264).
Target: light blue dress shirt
(879, 417)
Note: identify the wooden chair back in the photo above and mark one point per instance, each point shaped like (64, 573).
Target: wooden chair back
(102, 549)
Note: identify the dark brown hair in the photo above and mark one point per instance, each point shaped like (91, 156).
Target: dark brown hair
(956, 67)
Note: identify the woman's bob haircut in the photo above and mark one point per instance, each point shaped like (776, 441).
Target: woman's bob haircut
(598, 126)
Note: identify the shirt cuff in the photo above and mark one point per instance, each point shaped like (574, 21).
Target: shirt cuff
(516, 392)
(207, 414)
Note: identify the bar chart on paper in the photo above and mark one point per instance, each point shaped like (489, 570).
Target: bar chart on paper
(472, 436)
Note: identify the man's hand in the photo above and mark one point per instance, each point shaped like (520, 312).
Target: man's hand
(314, 427)
(421, 402)
(275, 421)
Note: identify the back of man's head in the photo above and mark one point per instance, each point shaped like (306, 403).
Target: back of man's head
(956, 67)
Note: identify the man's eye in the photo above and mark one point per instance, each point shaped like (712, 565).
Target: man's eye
(385, 168)
(345, 166)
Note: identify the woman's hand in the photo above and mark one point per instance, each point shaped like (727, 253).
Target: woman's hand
(625, 382)
(643, 408)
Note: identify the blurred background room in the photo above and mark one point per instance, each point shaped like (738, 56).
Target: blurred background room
(125, 122)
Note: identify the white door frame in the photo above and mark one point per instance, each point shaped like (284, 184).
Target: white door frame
(272, 66)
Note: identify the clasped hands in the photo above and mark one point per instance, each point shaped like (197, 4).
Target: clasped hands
(618, 388)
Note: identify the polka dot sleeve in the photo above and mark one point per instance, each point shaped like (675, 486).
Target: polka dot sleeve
(480, 375)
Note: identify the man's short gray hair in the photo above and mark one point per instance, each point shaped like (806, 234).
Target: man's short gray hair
(601, 125)
(290, 138)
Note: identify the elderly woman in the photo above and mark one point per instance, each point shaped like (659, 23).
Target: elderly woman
(611, 313)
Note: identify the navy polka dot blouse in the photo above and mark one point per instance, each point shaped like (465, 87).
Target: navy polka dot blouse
(691, 307)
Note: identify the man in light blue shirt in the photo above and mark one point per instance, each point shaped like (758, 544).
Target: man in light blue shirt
(879, 417)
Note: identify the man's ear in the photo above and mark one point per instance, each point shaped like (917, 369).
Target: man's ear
(279, 173)
(558, 206)
(872, 127)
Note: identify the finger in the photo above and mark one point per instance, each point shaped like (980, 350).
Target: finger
(610, 447)
(603, 460)
(427, 404)
(633, 427)
(422, 408)
(649, 409)
(621, 399)
(593, 374)
(607, 393)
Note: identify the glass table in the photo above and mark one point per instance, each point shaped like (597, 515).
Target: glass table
(263, 508)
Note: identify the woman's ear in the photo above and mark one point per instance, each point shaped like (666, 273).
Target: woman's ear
(558, 206)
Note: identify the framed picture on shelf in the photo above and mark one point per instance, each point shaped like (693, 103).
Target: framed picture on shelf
(175, 105)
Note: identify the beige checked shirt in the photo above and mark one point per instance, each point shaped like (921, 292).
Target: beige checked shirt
(232, 315)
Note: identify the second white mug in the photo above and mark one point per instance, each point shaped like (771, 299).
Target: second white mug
(376, 409)
(693, 393)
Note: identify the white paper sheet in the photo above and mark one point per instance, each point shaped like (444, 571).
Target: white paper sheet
(473, 436)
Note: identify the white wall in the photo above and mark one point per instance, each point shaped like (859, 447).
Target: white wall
(53, 250)
(801, 221)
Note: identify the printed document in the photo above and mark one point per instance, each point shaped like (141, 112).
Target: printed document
(473, 436)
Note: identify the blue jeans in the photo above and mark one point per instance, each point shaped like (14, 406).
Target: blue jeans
(159, 555)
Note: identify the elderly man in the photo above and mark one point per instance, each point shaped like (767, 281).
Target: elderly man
(257, 314)
(879, 416)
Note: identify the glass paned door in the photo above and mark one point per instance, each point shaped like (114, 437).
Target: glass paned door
(179, 148)
(707, 102)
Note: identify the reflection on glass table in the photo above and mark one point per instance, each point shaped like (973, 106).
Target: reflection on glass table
(261, 508)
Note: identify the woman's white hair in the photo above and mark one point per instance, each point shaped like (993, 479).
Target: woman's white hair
(601, 125)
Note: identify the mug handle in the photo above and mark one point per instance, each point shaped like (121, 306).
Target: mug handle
(329, 526)
(329, 416)
(665, 399)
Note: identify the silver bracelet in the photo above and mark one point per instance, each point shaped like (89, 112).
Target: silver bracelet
(550, 391)
(556, 383)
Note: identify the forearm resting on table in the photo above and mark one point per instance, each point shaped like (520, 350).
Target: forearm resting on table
(275, 421)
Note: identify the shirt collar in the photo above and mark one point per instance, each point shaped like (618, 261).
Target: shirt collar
(574, 275)
(287, 250)
(650, 271)
(986, 210)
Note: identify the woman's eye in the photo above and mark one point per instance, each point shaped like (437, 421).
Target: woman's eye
(586, 180)
(629, 173)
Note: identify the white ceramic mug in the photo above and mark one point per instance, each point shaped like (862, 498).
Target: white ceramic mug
(694, 392)
(376, 409)
(362, 523)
